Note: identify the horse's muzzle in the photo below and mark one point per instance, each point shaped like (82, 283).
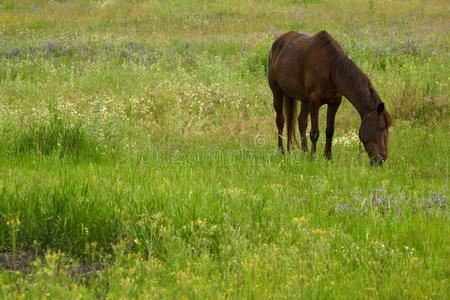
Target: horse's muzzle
(377, 161)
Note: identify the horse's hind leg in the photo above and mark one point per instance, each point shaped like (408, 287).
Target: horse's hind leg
(278, 105)
(331, 113)
(314, 106)
(290, 111)
(303, 124)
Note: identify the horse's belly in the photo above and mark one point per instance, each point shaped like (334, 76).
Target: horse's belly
(293, 88)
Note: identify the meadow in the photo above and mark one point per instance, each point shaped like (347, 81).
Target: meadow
(138, 154)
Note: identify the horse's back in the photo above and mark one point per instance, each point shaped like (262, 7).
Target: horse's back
(299, 64)
(288, 40)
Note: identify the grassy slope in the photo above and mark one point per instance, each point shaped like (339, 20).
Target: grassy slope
(138, 140)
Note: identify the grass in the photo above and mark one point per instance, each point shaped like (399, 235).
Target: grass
(138, 154)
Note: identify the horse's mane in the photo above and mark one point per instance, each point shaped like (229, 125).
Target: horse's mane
(341, 64)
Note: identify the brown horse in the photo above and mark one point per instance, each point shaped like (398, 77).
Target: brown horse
(316, 71)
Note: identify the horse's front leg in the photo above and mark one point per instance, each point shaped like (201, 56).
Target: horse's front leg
(314, 105)
(303, 124)
(331, 113)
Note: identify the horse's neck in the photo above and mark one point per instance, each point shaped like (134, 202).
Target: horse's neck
(358, 95)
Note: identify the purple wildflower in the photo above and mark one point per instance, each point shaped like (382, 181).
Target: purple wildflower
(344, 207)
(438, 200)
(376, 201)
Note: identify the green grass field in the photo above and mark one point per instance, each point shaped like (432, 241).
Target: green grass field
(138, 154)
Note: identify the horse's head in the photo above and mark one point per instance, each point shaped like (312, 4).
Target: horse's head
(374, 134)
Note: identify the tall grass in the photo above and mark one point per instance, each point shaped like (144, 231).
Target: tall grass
(138, 154)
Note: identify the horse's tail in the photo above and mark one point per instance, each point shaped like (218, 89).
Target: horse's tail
(273, 49)
(290, 107)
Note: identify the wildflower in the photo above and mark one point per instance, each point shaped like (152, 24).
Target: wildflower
(200, 222)
(344, 207)
(299, 220)
(347, 139)
(376, 201)
(13, 222)
(84, 230)
(438, 200)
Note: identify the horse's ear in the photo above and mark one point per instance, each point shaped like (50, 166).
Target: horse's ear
(388, 119)
(380, 108)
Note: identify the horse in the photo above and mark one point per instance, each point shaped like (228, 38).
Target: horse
(316, 70)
